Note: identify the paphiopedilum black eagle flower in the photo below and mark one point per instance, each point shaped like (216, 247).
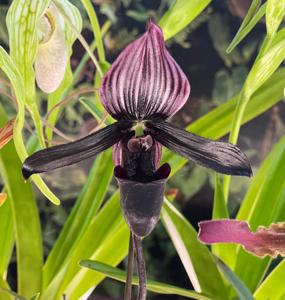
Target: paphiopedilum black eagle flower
(141, 90)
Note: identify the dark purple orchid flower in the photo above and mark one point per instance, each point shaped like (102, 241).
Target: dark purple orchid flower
(143, 88)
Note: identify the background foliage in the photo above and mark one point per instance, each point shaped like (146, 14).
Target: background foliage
(232, 52)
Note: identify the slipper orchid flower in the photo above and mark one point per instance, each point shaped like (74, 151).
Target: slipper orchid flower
(142, 89)
(52, 54)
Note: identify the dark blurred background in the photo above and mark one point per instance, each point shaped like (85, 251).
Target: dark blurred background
(215, 77)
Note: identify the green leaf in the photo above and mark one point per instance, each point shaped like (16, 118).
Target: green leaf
(25, 222)
(6, 236)
(195, 256)
(264, 67)
(273, 285)
(105, 239)
(154, 286)
(86, 207)
(111, 251)
(36, 297)
(268, 60)
(220, 211)
(180, 14)
(96, 28)
(249, 22)
(242, 291)
(7, 292)
(4, 295)
(265, 194)
(275, 11)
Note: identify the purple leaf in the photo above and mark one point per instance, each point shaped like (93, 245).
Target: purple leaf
(144, 81)
(265, 241)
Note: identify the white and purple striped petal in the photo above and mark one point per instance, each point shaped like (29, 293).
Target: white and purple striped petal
(144, 82)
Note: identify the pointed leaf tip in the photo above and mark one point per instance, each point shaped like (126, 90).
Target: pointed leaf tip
(265, 241)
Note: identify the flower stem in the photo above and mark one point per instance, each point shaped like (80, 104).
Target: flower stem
(141, 268)
(128, 286)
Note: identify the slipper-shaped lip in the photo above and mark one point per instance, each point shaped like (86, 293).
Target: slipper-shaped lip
(141, 202)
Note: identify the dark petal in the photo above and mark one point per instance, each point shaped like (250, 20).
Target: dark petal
(141, 202)
(144, 81)
(222, 157)
(67, 154)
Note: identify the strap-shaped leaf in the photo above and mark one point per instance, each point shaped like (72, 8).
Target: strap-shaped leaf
(275, 11)
(158, 287)
(265, 194)
(254, 14)
(180, 14)
(273, 284)
(194, 256)
(26, 223)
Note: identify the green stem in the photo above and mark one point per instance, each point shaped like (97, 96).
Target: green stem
(38, 124)
(239, 112)
(96, 28)
(237, 121)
